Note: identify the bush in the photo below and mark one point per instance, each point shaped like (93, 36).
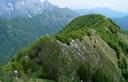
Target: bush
(125, 74)
(100, 76)
(127, 50)
(84, 72)
(123, 63)
(116, 47)
(63, 38)
(50, 71)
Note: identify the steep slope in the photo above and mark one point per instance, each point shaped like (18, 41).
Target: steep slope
(122, 22)
(24, 8)
(91, 48)
(16, 8)
(18, 32)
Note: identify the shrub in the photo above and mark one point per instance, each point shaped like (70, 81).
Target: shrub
(125, 74)
(84, 72)
(127, 50)
(123, 63)
(63, 38)
(50, 71)
(100, 76)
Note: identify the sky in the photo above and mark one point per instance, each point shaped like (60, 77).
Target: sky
(118, 5)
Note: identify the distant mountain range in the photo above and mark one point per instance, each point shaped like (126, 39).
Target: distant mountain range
(104, 11)
(28, 8)
(122, 22)
(19, 31)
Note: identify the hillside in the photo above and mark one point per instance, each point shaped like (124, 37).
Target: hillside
(90, 48)
(120, 18)
(18, 32)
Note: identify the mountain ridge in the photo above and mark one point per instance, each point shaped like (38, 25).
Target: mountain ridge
(18, 32)
(82, 51)
(27, 8)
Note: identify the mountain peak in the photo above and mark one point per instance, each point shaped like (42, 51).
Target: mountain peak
(25, 8)
(80, 26)
(85, 21)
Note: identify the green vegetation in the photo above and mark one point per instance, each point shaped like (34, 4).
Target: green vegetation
(104, 27)
(50, 71)
(84, 72)
(100, 76)
(19, 32)
(125, 74)
(91, 48)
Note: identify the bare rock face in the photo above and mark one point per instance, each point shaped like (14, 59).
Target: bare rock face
(28, 8)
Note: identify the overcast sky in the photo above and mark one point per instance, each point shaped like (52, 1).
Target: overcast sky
(119, 5)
